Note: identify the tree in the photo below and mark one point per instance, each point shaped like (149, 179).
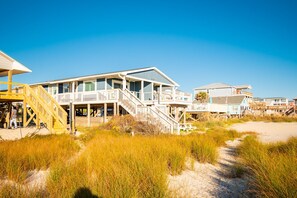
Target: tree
(202, 97)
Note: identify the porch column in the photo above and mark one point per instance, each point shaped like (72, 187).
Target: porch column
(160, 93)
(105, 113)
(89, 114)
(124, 83)
(173, 93)
(9, 81)
(73, 90)
(141, 91)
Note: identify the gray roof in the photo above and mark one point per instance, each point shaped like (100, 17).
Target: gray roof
(228, 100)
(222, 85)
(109, 73)
(214, 86)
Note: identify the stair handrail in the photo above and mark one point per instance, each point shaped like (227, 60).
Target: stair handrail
(135, 97)
(42, 103)
(125, 94)
(63, 117)
(156, 110)
(28, 91)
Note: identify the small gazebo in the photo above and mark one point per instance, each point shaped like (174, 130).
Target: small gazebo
(10, 67)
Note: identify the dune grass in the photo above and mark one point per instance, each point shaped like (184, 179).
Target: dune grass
(273, 166)
(116, 165)
(18, 157)
(113, 164)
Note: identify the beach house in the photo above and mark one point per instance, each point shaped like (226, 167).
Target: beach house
(142, 92)
(222, 98)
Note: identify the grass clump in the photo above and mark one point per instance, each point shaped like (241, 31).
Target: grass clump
(40, 152)
(274, 166)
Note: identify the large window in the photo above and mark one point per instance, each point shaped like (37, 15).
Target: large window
(90, 86)
(66, 87)
(54, 89)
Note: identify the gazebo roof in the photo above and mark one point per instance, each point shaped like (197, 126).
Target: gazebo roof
(7, 63)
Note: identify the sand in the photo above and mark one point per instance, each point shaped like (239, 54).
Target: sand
(15, 134)
(208, 180)
(269, 131)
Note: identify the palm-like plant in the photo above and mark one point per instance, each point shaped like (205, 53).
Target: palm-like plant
(202, 97)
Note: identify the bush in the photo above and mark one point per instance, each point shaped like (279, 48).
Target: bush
(128, 124)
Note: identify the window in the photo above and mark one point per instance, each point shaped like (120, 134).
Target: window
(54, 89)
(90, 86)
(80, 85)
(66, 88)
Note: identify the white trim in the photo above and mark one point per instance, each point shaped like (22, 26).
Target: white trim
(152, 81)
(111, 74)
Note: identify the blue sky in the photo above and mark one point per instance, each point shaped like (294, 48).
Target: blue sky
(194, 42)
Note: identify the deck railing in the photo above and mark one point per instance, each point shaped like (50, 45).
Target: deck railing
(208, 107)
(113, 96)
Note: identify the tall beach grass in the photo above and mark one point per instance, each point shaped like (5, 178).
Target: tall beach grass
(124, 166)
(273, 167)
(19, 157)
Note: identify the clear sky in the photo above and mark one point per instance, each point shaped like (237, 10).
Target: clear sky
(193, 42)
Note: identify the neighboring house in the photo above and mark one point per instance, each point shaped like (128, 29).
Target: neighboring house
(276, 101)
(270, 105)
(223, 99)
(130, 91)
(295, 99)
(222, 89)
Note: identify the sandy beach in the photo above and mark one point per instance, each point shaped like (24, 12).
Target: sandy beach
(269, 131)
(15, 134)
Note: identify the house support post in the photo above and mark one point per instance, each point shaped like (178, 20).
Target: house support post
(105, 113)
(114, 109)
(37, 121)
(89, 114)
(24, 112)
(176, 113)
(185, 118)
(8, 117)
(118, 109)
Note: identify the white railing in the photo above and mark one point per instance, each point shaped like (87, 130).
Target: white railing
(127, 100)
(144, 111)
(91, 96)
(208, 107)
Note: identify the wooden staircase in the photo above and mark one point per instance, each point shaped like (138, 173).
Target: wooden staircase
(44, 108)
(38, 106)
(290, 111)
(143, 112)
